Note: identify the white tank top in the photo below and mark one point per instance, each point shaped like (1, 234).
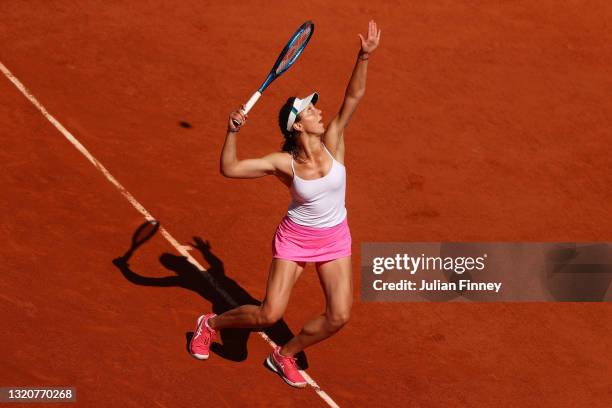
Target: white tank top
(319, 203)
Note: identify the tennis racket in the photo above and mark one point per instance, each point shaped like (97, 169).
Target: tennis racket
(285, 60)
(142, 234)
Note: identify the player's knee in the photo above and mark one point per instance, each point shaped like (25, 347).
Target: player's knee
(267, 317)
(338, 320)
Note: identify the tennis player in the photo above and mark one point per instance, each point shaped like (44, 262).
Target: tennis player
(315, 228)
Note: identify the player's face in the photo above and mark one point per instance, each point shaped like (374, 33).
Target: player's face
(311, 120)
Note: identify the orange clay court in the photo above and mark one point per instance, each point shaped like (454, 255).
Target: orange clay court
(481, 122)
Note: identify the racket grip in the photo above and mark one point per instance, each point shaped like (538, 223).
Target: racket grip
(252, 101)
(247, 107)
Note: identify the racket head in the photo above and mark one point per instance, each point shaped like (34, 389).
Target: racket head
(290, 53)
(144, 233)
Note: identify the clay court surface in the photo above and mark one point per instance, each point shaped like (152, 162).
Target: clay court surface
(483, 121)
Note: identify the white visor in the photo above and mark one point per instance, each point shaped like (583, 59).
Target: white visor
(298, 106)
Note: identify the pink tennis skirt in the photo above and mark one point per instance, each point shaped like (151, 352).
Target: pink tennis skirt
(297, 242)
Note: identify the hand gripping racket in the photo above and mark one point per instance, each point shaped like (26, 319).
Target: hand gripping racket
(285, 60)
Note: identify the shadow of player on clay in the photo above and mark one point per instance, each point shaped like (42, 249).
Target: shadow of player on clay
(213, 285)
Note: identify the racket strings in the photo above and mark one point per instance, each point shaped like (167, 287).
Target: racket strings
(294, 51)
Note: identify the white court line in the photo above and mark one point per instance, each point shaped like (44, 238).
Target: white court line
(180, 248)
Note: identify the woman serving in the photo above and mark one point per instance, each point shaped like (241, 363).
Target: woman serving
(315, 228)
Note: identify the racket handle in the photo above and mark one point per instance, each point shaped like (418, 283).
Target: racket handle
(247, 107)
(254, 98)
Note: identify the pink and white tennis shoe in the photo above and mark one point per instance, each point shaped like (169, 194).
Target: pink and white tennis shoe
(286, 367)
(202, 337)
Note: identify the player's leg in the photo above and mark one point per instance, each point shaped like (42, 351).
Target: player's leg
(281, 279)
(337, 282)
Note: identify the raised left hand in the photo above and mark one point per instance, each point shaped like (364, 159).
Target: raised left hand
(370, 43)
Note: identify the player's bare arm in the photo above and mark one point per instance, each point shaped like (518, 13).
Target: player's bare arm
(334, 136)
(231, 166)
